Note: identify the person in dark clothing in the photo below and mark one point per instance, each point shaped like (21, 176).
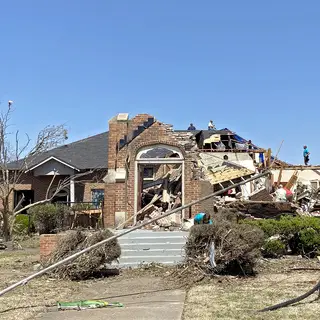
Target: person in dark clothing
(191, 127)
(250, 147)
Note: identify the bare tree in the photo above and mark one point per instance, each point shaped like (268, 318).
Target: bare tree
(16, 157)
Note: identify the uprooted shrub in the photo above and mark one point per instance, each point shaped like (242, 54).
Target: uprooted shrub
(236, 247)
(49, 218)
(88, 264)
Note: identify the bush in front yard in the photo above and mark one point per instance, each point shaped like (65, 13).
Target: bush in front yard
(49, 218)
(309, 242)
(273, 248)
(21, 224)
(300, 234)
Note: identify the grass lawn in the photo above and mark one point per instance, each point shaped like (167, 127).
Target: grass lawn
(233, 298)
(42, 294)
(25, 302)
(219, 298)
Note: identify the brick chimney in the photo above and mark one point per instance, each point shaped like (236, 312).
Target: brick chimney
(118, 129)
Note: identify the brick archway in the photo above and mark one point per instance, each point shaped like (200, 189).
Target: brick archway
(142, 158)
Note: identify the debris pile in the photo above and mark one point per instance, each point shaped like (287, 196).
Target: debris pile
(88, 264)
(217, 170)
(161, 195)
(224, 247)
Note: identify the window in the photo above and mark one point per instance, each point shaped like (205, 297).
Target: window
(148, 173)
(97, 197)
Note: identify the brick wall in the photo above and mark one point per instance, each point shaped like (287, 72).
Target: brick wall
(119, 196)
(48, 243)
(88, 187)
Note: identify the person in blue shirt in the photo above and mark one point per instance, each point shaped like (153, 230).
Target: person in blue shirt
(202, 218)
(306, 154)
(191, 127)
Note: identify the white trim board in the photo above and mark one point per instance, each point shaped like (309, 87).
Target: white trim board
(55, 159)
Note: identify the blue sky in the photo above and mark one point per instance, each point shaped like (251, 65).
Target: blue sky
(252, 66)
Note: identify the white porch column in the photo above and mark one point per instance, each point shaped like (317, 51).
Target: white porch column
(72, 192)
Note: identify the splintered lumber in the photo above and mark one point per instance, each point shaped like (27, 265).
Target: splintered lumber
(280, 176)
(268, 157)
(299, 167)
(149, 205)
(116, 236)
(292, 180)
(275, 158)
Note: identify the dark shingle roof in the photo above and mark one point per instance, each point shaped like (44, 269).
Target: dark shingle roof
(89, 153)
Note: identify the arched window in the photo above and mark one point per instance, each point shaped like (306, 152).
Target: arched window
(159, 152)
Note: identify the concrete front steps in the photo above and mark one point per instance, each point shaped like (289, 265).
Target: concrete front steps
(145, 246)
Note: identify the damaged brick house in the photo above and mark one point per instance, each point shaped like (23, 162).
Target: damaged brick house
(150, 163)
(141, 163)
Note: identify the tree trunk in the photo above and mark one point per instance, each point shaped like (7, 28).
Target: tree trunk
(5, 216)
(5, 229)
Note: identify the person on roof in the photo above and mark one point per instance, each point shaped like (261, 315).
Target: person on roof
(202, 218)
(249, 146)
(211, 126)
(306, 154)
(191, 127)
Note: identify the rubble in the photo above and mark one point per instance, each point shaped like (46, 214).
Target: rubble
(161, 195)
(222, 164)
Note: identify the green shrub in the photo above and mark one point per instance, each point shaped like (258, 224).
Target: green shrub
(82, 207)
(273, 248)
(49, 218)
(21, 224)
(309, 242)
(285, 226)
(301, 234)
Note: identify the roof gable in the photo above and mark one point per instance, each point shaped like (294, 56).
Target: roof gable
(89, 153)
(49, 159)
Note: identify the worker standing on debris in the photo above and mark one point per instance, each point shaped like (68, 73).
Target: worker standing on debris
(211, 126)
(191, 127)
(202, 218)
(306, 154)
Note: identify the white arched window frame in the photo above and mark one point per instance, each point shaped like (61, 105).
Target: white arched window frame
(141, 159)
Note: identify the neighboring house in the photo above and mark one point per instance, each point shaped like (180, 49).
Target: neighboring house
(137, 155)
(87, 155)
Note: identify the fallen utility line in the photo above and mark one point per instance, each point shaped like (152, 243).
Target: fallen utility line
(78, 254)
(292, 301)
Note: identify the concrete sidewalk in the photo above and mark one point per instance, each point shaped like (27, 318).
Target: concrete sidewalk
(144, 303)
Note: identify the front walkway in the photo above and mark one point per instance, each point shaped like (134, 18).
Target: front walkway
(143, 299)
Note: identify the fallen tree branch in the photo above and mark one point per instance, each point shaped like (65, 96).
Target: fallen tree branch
(88, 249)
(292, 301)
